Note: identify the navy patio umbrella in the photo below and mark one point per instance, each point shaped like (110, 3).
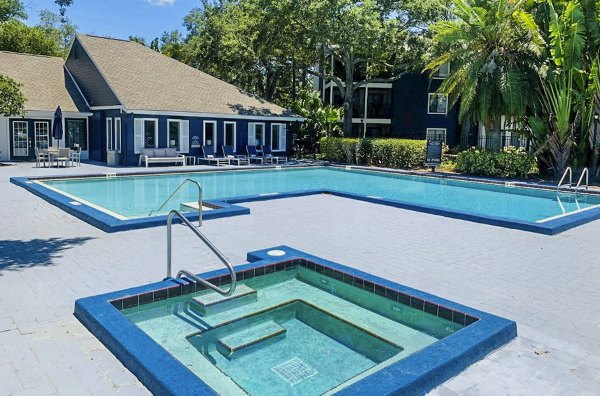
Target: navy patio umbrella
(57, 127)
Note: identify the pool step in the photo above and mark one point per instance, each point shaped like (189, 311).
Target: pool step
(236, 344)
(213, 302)
(192, 206)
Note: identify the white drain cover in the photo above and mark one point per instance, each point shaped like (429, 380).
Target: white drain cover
(294, 371)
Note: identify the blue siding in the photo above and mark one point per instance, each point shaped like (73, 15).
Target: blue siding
(128, 156)
(410, 118)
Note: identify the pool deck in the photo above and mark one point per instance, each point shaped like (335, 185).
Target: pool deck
(547, 284)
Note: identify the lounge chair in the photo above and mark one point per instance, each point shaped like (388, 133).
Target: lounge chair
(208, 156)
(268, 153)
(253, 156)
(232, 157)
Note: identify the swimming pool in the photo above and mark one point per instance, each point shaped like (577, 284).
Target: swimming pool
(137, 197)
(297, 324)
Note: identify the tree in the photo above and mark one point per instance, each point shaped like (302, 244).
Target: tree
(361, 37)
(59, 28)
(12, 100)
(15, 36)
(63, 5)
(494, 49)
(11, 9)
(139, 40)
(320, 119)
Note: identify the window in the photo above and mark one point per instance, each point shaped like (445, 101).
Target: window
(42, 134)
(230, 131)
(278, 137)
(113, 134)
(76, 134)
(442, 72)
(174, 130)
(436, 134)
(256, 134)
(438, 103)
(110, 136)
(150, 134)
(210, 133)
(20, 139)
(117, 138)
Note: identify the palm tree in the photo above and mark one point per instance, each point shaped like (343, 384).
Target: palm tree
(493, 47)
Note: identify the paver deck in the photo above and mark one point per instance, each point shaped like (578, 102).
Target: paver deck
(548, 285)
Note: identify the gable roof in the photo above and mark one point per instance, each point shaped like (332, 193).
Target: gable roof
(144, 79)
(46, 83)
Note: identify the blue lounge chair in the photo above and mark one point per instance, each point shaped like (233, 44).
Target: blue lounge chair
(208, 156)
(253, 156)
(232, 157)
(268, 153)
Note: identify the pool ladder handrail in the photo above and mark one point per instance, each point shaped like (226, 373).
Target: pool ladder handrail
(208, 243)
(197, 183)
(569, 172)
(586, 174)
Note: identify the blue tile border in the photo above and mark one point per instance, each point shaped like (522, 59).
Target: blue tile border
(229, 207)
(418, 373)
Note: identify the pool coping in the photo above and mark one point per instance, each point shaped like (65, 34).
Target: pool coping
(229, 206)
(418, 373)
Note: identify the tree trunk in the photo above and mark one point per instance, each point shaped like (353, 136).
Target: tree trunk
(348, 95)
(496, 135)
(465, 132)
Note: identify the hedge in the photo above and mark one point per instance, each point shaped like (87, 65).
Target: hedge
(509, 163)
(387, 153)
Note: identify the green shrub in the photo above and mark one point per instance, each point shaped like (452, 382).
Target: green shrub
(509, 163)
(387, 153)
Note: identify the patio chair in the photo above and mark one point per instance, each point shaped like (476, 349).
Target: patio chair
(41, 156)
(64, 156)
(253, 156)
(75, 157)
(268, 153)
(208, 156)
(232, 157)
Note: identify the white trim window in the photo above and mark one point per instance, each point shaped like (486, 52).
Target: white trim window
(42, 134)
(256, 134)
(437, 103)
(110, 136)
(178, 135)
(145, 134)
(436, 134)
(209, 134)
(113, 134)
(278, 137)
(229, 134)
(442, 72)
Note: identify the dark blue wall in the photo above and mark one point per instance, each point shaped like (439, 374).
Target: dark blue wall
(128, 157)
(410, 102)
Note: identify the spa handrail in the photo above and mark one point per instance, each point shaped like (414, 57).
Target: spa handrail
(197, 183)
(569, 172)
(585, 173)
(208, 243)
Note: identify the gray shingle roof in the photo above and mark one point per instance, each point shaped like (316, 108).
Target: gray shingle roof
(144, 79)
(46, 84)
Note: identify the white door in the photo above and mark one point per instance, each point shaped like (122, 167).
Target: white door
(20, 139)
(42, 134)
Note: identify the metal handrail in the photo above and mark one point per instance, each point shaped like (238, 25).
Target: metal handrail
(568, 171)
(197, 183)
(208, 243)
(585, 173)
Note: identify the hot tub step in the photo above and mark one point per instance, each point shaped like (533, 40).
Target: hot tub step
(246, 340)
(192, 206)
(214, 302)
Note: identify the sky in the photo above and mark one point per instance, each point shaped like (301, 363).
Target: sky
(120, 18)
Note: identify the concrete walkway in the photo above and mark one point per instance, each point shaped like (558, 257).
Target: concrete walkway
(48, 259)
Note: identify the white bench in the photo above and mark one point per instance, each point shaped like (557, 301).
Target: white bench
(161, 156)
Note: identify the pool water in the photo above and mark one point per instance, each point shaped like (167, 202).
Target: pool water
(138, 196)
(304, 333)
